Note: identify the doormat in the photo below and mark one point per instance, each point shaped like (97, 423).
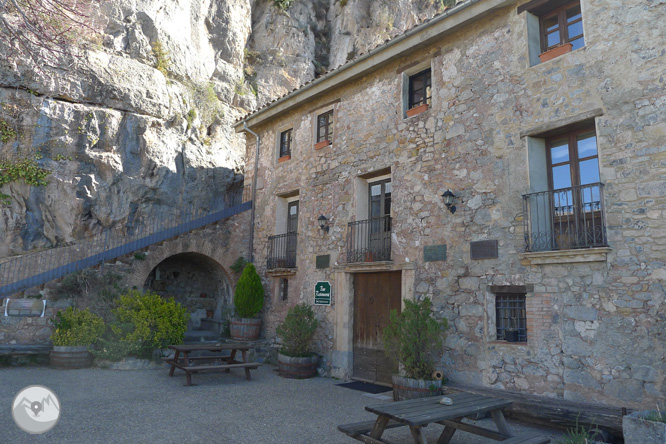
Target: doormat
(365, 387)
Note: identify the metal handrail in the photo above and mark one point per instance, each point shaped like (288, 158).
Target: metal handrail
(369, 240)
(565, 218)
(38, 268)
(282, 251)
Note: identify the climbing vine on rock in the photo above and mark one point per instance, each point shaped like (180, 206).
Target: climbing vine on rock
(7, 133)
(25, 169)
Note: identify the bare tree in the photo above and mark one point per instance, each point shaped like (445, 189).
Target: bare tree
(45, 31)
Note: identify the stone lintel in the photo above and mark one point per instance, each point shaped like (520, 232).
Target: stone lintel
(372, 267)
(544, 128)
(281, 272)
(565, 256)
(511, 289)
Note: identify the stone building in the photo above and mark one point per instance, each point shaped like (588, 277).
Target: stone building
(526, 198)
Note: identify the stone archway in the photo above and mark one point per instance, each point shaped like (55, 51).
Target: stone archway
(194, 280)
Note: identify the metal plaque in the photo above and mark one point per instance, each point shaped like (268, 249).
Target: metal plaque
(323, 261)
(434, 253)
(322, 293)
(485, 249)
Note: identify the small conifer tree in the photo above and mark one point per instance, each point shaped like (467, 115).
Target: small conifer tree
(249, 295)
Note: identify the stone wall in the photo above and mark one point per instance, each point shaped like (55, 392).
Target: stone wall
(216, 245)
(595, 318)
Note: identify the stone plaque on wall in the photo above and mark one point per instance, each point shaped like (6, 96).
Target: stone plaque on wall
(434, 253)
(485, 249)
(323, 261)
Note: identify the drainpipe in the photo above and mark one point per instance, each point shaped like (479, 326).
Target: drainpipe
(254, 189)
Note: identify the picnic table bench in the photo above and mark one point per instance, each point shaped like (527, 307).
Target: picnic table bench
(189, 364)
(418, 413)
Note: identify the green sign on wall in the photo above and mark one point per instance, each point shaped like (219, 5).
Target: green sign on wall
(322, 293)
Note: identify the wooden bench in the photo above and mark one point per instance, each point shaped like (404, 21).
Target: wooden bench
(25, 307)
(528, 438)
(363, 428)
(183, 361)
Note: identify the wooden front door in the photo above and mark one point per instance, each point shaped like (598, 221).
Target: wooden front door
(375, 295)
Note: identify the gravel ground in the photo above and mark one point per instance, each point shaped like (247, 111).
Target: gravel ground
(147, 406)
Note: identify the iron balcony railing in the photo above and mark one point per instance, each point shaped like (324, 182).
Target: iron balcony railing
(565, 219)
(369, 240)
(282, 251)
(32, 269)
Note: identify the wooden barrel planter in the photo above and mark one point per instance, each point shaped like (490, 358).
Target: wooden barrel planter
(245, 329)
(70, 357)
(407, 388)
(297, 368)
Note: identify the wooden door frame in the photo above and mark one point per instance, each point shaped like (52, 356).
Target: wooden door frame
(342, 359)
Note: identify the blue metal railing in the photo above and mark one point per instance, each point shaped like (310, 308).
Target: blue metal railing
(40, 267)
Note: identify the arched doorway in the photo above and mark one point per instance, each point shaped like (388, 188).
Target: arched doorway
(197, 282)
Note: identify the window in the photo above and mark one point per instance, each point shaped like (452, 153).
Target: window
(325, 127)
(511, 318)
(420, 90)
(569, 212)
(562, 25)
(284, 289)
(285, 143)
(282, 247)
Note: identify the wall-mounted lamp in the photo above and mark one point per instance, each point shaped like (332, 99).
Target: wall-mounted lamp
(449, 199)
(323, 223)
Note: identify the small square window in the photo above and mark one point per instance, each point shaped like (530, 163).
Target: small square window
(511, 317)
(562, 25)
(325, 126)
(420, 90)
(285, 143)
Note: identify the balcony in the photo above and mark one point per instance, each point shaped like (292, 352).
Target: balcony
(565, 219)
(369, 240)
(282, 251)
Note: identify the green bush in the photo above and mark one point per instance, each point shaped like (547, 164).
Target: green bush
(146, 321)
(249, 295)
(297, 331)
(413, 337)
(74, 327)
(283, 5)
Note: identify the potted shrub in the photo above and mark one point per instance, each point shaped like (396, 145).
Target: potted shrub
(411, 340)
(644, 427)
(295, 359)
(76, 331)
(248, 302)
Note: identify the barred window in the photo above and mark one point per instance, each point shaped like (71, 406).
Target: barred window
(511, 317)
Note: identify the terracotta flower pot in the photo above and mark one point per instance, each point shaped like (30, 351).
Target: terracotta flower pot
(284, 158)
(555, 52)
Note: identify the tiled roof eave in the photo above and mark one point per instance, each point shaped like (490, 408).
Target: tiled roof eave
(421, 35)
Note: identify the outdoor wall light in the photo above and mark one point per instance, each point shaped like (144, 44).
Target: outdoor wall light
(323, 223)
(449, 199)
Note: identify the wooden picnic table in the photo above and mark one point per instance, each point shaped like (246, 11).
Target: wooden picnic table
(225, 362)
(418, 413)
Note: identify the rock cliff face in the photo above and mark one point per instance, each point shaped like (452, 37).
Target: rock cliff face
(141, 123)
